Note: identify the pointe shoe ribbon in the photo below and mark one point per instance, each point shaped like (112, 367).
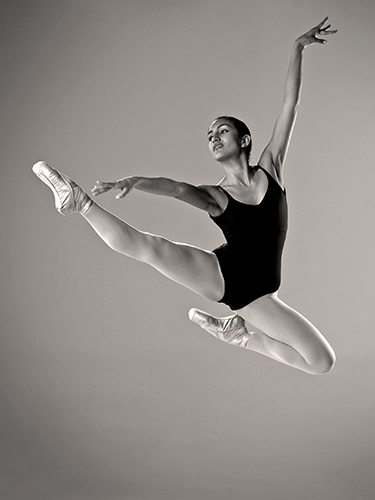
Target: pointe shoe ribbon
(231, 329)
(69, 197)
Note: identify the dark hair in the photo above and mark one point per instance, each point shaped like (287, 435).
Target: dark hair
(242, 130)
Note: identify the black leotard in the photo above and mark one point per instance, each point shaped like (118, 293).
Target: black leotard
(250, 260)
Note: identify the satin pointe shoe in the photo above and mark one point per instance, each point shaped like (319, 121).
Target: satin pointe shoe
(231, 329)
(69, 197)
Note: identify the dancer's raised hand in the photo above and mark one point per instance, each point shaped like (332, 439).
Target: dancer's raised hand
(311, 36)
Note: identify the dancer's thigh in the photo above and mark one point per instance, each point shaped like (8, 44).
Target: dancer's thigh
(188, 265)
(193, 267)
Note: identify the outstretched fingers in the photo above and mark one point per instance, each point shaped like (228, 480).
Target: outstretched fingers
(123, 193)
(125, 185)
(321, 24)
(101, 187)
(312, 36)
(323, 30)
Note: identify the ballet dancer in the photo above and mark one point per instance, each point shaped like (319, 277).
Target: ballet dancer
(249, 205)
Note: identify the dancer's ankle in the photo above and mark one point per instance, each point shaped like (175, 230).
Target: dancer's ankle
(86, 206)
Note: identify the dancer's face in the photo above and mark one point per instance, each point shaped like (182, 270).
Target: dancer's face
(224, 141)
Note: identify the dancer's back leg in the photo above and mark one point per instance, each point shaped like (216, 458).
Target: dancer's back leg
(285, 335)
(270, 327)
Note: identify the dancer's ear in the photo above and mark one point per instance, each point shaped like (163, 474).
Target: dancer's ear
(245, 141)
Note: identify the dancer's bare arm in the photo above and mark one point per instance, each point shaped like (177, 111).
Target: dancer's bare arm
(273, 156)
(208, 198)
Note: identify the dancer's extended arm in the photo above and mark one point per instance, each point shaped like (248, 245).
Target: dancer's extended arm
(207, 198)
(273, 156)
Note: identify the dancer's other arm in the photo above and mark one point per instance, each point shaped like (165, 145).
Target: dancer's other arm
(208, 198)
(273, 156)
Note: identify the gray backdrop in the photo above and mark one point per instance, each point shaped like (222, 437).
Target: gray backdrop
(107, 390)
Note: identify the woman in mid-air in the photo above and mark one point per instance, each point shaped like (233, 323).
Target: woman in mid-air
(249, 205)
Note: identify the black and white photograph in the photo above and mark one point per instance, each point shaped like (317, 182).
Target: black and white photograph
(187, 250)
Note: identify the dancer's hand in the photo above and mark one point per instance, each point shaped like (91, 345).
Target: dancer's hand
(311, 36)
(126, 185)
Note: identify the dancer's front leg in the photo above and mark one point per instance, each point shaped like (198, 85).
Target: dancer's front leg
(190, 266)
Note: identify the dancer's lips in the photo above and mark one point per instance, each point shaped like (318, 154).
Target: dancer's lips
(217, 146)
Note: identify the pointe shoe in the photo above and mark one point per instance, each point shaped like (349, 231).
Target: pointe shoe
(231, 329)
(69, 197)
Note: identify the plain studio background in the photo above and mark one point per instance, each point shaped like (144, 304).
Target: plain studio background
(108, 392)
